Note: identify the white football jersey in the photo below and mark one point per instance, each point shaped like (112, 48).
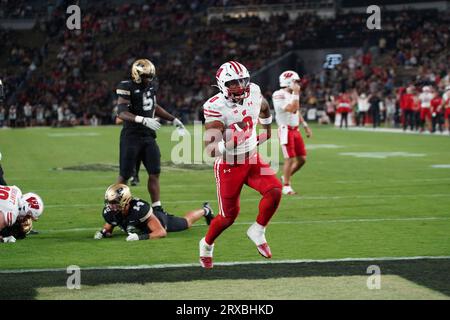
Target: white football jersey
(9, 203)
(220, 109)
(446, 99)
(281, 98)
(425, 99)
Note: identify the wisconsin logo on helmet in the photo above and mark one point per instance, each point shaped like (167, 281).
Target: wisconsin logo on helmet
(287, 78)
(33, 203)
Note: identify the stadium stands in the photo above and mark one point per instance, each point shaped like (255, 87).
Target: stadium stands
(77, 70)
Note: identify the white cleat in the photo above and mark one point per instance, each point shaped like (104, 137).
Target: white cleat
(256, 233)
(287, 190)
(206, 254)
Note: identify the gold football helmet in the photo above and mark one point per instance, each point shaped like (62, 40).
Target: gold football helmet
(142, 68)
(118, 196)
(27, 225)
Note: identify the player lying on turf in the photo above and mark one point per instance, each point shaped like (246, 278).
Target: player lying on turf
(17, 207)
(137, 218)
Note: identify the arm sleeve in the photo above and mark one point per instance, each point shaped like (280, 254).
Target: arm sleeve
(123, 90)
(107, 216)
(145, 212)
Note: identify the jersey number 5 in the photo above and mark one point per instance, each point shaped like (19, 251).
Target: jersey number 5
(147, 102)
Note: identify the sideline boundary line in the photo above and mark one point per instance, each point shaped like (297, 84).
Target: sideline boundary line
(186, 265)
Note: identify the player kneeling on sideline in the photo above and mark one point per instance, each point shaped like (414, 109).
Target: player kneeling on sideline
(139, 220)
(15, 207)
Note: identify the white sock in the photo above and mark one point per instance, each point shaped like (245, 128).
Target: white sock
(156, 204)
(208, 246)
(258, 227)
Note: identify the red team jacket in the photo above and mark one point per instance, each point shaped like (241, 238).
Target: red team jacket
(344, 104)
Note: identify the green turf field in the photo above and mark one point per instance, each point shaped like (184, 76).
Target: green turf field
(362, 194)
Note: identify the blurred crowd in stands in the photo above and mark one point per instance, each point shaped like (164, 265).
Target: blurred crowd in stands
(71, 78)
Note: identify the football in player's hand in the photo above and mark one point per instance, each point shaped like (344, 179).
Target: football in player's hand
(240, 125)
(234, 130)
(237, 133)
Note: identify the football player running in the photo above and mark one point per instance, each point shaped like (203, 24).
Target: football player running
(17, 207)
(137, 107)
(137, 218)
(236, 111)
(286, 102)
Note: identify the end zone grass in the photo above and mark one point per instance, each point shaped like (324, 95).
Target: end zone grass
(413, 279)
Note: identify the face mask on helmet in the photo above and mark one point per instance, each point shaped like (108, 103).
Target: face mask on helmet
(238, 89)
(233, 80)
(147, 77)
(117, 197)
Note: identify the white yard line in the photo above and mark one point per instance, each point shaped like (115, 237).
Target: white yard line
(393, 130)
(173, 186)
(184, 265)
(290, 198)
(43, 231)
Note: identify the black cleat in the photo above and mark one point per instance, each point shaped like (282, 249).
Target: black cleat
(209, 214)
(134, 181)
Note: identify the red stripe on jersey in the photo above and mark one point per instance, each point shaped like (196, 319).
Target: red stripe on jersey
(9, 219)
(278, 97)
(212, 112)
(234, 66)
(211, 115)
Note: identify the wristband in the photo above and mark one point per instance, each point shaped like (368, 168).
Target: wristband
(221, 146)
(265, 120)
(139, 119)
(144, 236)
(304, 124)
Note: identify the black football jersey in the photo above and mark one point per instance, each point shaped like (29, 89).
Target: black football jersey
(135, 221)
(142, 103)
